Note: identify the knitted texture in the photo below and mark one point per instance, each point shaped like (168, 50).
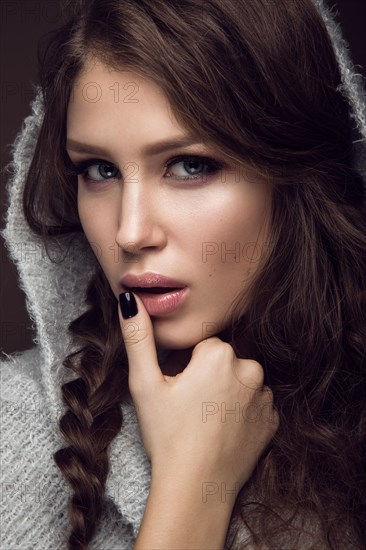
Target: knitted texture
(34, 493)
(352, 87)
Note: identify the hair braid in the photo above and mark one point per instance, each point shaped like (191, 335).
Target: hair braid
(94, 416)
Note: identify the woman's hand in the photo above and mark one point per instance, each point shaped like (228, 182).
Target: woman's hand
(213, 420)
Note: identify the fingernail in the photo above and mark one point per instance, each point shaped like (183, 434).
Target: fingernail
(128, 305)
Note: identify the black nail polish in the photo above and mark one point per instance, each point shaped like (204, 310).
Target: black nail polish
(128, 305)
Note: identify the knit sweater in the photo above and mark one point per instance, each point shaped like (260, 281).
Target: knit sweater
(35, 494)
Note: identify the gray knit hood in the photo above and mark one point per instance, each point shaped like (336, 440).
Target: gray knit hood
(55, 292)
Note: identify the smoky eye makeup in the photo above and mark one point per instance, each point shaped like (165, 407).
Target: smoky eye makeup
(183, 167)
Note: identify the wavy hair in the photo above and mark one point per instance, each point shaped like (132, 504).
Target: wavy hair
(260, 80)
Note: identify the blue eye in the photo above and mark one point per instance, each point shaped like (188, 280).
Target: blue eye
(93, 170)
(197, 168)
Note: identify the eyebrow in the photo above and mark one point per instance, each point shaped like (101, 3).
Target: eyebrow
(148, 151)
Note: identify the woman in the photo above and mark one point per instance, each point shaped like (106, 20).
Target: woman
(229, 412)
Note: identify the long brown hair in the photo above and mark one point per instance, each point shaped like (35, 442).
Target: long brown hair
(260, 80)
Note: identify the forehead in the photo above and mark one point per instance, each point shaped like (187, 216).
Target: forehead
(102, 95)
(96, 71)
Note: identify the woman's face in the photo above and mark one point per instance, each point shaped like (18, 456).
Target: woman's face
(202, 222)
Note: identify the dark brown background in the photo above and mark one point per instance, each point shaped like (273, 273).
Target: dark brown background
(23, 22)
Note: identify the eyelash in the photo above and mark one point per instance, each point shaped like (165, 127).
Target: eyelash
(214, 166)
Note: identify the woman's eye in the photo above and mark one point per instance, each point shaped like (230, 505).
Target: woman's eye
(179, 168)
(92, 170)
(196, 167)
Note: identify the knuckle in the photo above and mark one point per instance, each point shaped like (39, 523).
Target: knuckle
(226, 350)
(212, 345)
(254, 371)
(249, 373)
(216, 354)
(200, 345)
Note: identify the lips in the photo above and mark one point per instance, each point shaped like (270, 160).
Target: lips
(153, 283)
(152, 290)
(160, 295)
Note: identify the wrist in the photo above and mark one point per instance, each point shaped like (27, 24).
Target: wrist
(205, 489)
(185, 512)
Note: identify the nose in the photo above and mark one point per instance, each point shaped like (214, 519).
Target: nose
(139, 219)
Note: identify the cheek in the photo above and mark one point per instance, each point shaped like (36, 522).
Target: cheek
(232, 229)
(97, 223)
(101, 239)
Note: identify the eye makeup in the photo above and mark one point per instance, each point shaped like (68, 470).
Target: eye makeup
(97, 171)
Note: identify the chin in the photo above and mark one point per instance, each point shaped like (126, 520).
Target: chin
(179, 338)
(174, 343)
(175, 337)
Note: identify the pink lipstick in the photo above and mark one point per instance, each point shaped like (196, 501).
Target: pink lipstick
(159, 294)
